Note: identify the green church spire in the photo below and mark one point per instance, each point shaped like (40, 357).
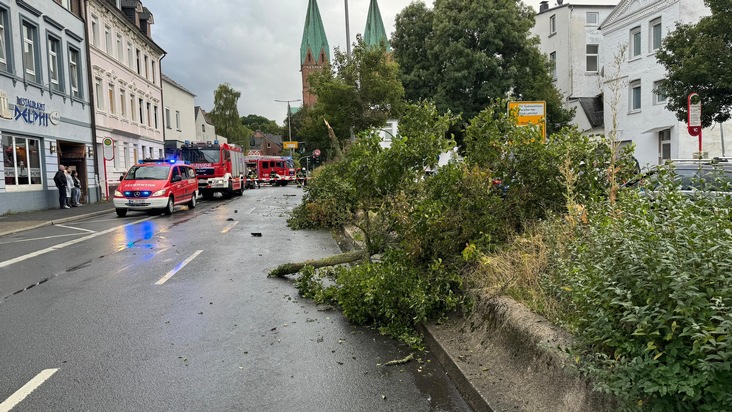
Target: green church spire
(313, 36)
(375, 33)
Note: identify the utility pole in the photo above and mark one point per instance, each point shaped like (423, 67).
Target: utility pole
(348, 33)
(289, 123)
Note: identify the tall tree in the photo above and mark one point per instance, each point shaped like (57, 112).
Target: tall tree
(225, 116)
(256, 122)
(465, 54)
(698, 59)
(360, 91)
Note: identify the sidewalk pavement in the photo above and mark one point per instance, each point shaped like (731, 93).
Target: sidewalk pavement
(18, 222)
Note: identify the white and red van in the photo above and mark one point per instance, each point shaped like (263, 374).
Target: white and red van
(156, 185)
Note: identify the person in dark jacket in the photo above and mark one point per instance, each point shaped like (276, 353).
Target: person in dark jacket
(60, 180)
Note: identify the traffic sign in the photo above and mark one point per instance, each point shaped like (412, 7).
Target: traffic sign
(529, 113)
(316, 152)
(108, 148)
(289, 145)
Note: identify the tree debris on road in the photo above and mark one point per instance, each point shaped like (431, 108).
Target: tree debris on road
(290, 268)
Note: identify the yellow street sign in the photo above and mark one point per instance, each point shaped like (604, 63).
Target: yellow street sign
(289, 145)
(529, 113)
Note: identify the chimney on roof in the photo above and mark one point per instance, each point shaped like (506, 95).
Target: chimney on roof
(543, 6)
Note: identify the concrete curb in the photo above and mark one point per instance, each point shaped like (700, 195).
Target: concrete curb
(504, 357)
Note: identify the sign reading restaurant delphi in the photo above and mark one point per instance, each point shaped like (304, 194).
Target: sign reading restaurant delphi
(33, 112)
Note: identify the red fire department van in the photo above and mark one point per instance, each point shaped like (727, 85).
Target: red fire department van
(219, 167)
(282, 166)
(156, 185)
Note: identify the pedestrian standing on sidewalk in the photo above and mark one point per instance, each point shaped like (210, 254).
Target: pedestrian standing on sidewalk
(60, 180)
(76, 190)
(69, 186)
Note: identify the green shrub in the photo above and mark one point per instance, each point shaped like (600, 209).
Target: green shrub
(392, 295)
(648, 288)
(328, 200)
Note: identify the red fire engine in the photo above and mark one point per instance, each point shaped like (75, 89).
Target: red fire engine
(264, 166)
(219, 167)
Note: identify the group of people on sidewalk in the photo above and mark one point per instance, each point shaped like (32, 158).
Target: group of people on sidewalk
(69, 187)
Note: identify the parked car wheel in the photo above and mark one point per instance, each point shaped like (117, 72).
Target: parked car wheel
(169, 208)
(192, 203)
(121, 212)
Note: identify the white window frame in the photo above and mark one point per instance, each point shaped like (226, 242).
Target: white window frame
(30, 51)
(655, 34)
(108, 40)
(120, 49)
(14, 170)
(635, 90)
(595, 20)
(592, 55)
(123, 103)
(130, 58)
(74, 72)
(177, 120)
(664, 141)
(658, 96)
(4, 52)
(95, 31)
(99, 93)
(112, 98)
(636, 43)
(66, 4)
(55, 76)
(167, 118)
(552, 24)
(553, 65)
(133, 111)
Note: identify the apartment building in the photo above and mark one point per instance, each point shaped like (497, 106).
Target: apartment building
(179, 115)
(571, 38)
(632, 34)
(45, 110)
(126, 85)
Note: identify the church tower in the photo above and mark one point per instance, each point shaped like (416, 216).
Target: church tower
(314, 50)
(374, 33)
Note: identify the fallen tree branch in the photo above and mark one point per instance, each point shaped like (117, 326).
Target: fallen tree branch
(289, 268)
(400, 361)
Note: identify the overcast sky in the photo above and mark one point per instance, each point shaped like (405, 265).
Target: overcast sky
(254, 45)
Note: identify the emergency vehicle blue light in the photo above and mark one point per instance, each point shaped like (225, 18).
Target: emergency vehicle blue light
(171, 161)
(216, 141)
(145, 193)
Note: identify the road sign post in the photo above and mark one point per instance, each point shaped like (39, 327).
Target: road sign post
(694, 123)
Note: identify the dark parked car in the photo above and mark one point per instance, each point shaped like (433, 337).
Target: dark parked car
(691, 177)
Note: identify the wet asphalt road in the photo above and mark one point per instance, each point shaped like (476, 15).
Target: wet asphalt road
(157, 313)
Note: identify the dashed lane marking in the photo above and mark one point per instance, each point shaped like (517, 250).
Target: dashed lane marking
(177, 268)
(26, 390)
(228, 228)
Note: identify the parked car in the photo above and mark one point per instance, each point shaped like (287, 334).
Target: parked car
(690, 177)
(156, 185)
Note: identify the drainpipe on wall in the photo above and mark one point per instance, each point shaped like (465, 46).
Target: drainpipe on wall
(91, 98)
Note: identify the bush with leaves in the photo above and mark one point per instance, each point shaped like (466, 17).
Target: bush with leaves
(328, 200)
(648, 284)
(529, 167)
(390, 295)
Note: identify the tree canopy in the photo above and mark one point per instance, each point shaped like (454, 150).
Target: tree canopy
(698, 59)
(225, 116)
(256, 122)
(466, 54)
(360, 91)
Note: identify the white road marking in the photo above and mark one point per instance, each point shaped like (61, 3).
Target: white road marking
(38, 238)
(228, 228)
(26, 390)
(76, 228)
(250, 212)
(177, 268)
(69, 243)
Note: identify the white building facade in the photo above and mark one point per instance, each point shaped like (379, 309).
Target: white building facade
(45, 110)
(571, 38)
(205, 130)
(126, 85)
(178, 115)
(632, 34)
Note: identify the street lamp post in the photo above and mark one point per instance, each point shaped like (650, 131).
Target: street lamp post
(289, 123)
(348, 33)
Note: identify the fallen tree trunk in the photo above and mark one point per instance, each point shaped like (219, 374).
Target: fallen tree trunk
(289, 268)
